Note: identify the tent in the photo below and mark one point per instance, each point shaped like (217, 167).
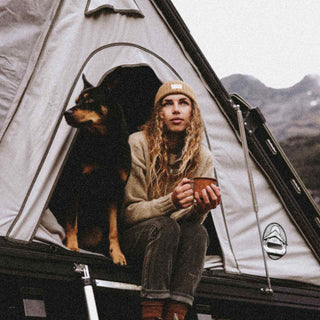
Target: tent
(269, 254)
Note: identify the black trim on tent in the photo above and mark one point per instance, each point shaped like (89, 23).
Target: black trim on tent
(277, 168)
(53, 263)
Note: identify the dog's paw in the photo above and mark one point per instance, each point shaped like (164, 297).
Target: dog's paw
(72, 244)
(117, 257)
(74, 249)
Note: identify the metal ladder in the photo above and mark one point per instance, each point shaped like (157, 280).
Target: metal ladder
(83, 269)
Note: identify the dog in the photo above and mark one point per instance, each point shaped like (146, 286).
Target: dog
(93, 180)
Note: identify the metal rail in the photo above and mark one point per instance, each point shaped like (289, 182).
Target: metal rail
(269, 289)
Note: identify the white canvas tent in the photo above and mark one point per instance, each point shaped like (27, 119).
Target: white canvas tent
(45, 48)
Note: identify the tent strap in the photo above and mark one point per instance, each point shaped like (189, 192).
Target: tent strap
(243, 137)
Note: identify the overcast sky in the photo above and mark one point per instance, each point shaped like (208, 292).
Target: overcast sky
(276, 41)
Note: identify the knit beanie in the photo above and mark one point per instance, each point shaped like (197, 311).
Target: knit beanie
(175, 87)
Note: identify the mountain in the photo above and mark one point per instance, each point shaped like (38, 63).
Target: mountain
(293, 116)
(304, 154)
(289, 112)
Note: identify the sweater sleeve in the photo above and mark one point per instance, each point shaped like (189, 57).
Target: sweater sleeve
(137, 207)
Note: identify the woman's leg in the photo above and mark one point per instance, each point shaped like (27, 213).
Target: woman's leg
(189, 262)
(166, 272)
(155, 242)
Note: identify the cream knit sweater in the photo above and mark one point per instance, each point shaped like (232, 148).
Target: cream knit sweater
(138, 204)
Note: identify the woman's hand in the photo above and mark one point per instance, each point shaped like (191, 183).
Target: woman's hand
(210, 198)
(182, 195)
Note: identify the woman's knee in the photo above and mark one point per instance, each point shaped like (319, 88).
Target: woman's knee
(165, 227)
(196, 232)
(158, 231)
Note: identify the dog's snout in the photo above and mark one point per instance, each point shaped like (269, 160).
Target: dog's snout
(69, 116)
(68, 112)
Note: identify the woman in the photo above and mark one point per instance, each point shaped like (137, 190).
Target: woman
(163, 217)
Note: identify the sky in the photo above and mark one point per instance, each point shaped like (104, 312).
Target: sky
(276, 41)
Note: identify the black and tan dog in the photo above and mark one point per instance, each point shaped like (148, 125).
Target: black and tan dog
(96, 172)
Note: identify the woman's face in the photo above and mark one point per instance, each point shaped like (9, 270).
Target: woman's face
(176, 112)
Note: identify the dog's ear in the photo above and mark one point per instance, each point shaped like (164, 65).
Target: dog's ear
(86, 83)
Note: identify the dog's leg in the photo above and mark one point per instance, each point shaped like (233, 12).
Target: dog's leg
(72, 228)
(114, 247)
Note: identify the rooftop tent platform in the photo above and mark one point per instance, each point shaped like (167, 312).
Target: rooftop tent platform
(47, 47)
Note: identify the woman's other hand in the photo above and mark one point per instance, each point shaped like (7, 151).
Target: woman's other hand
(182, 195)
(209, 199)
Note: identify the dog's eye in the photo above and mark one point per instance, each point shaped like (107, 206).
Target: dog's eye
(90, 104)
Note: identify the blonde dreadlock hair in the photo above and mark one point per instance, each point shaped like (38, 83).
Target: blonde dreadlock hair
(163, 180)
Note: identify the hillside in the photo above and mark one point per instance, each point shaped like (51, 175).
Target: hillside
(293, 116)
(289, 112)
(304, 153)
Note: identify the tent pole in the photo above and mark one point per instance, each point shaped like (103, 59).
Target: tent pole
(269, 289)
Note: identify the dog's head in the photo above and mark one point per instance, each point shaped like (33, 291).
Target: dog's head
(90, 111)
